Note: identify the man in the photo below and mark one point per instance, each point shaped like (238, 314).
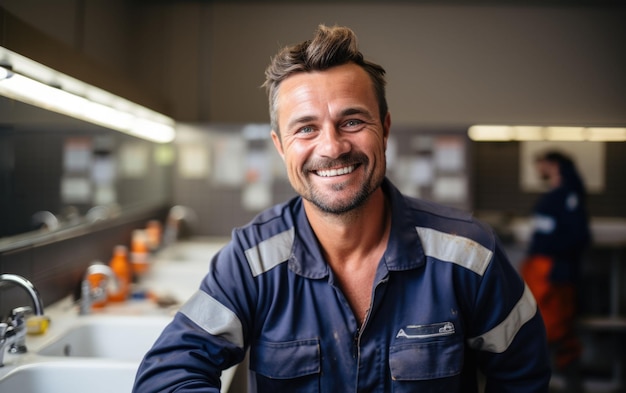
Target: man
(560, 237)
(351, 287)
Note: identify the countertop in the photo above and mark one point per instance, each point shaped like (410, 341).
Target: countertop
(175, 272)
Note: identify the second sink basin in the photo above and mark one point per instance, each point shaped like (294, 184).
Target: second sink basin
(111, 337)
(70, 377)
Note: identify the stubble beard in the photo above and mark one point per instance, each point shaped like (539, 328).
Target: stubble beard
(348, 205)
(335, 207)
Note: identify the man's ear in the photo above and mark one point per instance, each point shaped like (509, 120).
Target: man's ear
(386, 128)
(278, 144)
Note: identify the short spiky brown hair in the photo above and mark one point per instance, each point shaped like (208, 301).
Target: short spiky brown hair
(330, 47)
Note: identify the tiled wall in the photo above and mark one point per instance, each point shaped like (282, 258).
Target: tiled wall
(31, 178)
(31, 168)
(56, 266)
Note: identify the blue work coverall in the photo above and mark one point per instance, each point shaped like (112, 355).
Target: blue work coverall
(446, 303)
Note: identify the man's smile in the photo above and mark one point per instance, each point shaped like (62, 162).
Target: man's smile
(336, 171)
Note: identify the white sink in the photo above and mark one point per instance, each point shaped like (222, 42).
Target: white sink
(179, 268)
(100, 353)
(199, 249)
(70, 377)
(111, 337)
(95, 354)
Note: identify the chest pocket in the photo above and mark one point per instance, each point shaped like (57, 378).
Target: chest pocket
(419, 365)
(292, 366)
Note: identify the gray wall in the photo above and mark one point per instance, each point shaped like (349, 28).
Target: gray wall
(447, 64)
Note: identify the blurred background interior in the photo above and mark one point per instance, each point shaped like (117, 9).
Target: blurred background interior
(547, 73)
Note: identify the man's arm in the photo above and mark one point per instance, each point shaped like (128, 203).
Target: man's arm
(509, 335)
(185, 358)
(205, 337)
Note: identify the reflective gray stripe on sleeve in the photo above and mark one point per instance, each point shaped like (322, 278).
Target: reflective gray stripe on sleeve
(456, 249)
(213, 317)
(270, 253)
(498, 339)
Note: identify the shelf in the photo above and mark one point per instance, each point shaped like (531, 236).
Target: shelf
(614, 324)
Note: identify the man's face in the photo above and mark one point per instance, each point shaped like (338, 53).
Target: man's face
(542, 170)
(331, 136)
(548, 172)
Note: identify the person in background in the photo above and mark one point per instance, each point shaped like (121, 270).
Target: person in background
(560, 237)
(351, 286)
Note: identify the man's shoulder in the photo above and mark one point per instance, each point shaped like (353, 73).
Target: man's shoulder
(274, 221)
(438, 210)
(452, 235)
(427, 215)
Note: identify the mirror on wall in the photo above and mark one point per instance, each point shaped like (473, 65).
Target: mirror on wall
(57, 171)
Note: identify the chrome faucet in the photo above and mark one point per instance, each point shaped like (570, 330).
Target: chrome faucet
(89, 294)
(13, 330)
(180, 223)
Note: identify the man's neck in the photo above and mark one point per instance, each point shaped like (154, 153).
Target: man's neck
(349, 237)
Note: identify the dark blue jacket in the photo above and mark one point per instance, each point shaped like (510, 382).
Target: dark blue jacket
(446, 303)
(561, 231)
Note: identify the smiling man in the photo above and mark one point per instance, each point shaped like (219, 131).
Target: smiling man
(333, 139)
(352, 286)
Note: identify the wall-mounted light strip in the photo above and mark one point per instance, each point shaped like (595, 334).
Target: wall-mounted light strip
(549, 133)
(25, 80)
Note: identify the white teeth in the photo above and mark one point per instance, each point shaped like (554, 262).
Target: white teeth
(336, 172)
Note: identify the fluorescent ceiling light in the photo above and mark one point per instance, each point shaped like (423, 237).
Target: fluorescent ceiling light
(565, 133)
(490, 133)
(35, 84)
(494, 133)
(528, 133)
(606, 134)
(30, 91)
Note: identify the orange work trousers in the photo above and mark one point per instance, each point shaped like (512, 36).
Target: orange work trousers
(557, 305)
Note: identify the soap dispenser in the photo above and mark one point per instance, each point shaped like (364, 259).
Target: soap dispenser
(121, 268)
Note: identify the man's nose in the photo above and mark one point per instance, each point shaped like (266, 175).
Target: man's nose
(333, 143)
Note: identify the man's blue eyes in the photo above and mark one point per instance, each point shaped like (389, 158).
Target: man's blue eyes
(349, 123)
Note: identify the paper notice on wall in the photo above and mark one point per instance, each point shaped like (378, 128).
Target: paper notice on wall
(75, 190)
(449, 154)
(104, 194)
(193, 162)
(422, 172)
(134, 159)
(230, 163)
(450, 189)
(77, 154)
(258, 167)
(416, 171)
(256, 196)
(103, 171)
(164, 155)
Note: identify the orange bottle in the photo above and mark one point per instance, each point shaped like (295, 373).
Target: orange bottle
(139, 255)
(153, 234)
(94, 281)
(122, 270)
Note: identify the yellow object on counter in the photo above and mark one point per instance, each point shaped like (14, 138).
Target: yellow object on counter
(37, 324)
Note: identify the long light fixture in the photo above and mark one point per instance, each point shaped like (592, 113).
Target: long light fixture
(27, 81)
(546, 133)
